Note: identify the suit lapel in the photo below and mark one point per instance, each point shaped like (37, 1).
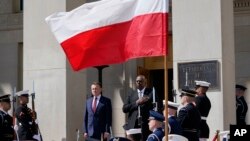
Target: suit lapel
(90, 104)
(100, 104)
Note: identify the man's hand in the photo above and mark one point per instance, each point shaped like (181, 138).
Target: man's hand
(106, 135)
(142, 100)
(85, 135)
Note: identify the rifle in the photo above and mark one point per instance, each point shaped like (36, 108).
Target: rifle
(174, 92)
(13, 114)
(36, 128)
(155, 104)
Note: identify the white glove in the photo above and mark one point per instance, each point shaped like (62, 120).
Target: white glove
(15, 127)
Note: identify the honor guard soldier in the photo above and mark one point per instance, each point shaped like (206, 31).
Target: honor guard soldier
(175, 127)
(189, 117)
(155, 125)
(241, 105)
(203, 104)
(6, 121)
(24, 117)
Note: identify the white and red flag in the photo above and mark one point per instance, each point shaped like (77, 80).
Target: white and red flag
(111, 31)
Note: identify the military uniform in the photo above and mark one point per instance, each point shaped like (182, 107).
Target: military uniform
(189, 118)
(203, 104)
(241, 110)
(175, 127)
(6, 123)
(158, 133)
(24, 120)
(241, 107)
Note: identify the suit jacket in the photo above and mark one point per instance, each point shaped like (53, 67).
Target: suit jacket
(96, 123)
(131, 108)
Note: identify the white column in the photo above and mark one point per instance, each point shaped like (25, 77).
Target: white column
(203, 31)
(60, 92)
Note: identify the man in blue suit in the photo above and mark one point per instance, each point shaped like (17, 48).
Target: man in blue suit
(98, 115)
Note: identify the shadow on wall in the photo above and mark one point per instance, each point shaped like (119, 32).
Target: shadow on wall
(1, 91)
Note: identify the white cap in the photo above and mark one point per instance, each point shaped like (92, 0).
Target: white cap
(202, 83)
(173, 105)
(175, 137)
(224, 134)
(23, 93)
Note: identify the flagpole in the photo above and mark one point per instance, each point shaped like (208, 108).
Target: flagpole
(166, 82)
(166, 95)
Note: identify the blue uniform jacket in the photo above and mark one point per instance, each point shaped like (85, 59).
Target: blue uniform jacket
(174, 125)
(157, 135)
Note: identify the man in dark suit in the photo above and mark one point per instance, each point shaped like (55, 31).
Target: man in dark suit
(241, 105)
(25, 117)
(189, 117)
(203, 104)
(137, 105)
(6, 121)
(98, 115)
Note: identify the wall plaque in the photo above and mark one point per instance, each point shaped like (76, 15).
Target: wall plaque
(205, 71)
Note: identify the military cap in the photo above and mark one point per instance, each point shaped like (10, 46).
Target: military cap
(187, 92)
(173, 105)
(153, 115)
(202, 83)
(237, 86)
(5, 98)
(23, 93)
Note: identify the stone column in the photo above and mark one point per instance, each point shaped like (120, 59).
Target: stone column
(60, 92)
(203, 31)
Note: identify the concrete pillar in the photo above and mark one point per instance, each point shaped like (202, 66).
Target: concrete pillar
(242, 53)
(203, 31)
(60, 92)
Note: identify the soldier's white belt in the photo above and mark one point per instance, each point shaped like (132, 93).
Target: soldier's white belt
(203, 118)
(190, 130)
(133, 131)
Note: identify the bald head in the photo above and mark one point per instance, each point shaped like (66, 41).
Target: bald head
(141, 82)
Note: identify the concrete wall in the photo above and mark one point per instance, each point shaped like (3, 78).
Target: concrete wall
(10, 39)
(202, 31)
(59, 90)
(242, 53)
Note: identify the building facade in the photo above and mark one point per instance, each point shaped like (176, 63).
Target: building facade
(199, 31)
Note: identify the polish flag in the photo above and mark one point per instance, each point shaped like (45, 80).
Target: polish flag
(111, 31)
